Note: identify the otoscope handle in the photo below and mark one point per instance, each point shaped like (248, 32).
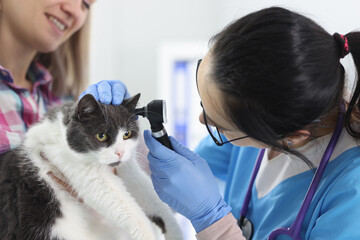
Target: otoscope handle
(161, 135)
(164, 140)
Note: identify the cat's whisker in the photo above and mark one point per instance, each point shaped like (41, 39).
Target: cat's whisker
(139, 154)
(133, 128)
(130, 118)
(98, 166)
(91, 166)
(140, 158)
(61, 154)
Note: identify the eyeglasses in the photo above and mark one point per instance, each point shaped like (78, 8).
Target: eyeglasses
(218, 139)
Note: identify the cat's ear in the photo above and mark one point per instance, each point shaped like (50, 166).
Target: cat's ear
(87, 106)
(131, 103)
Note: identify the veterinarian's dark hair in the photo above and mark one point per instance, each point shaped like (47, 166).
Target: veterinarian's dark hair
(280, 72)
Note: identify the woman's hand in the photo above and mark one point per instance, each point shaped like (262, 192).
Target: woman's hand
(184, 181)
(108, 91)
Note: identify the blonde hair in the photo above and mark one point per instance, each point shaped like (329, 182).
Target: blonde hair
(68, 65)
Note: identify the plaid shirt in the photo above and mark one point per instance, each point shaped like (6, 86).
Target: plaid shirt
(19, 108)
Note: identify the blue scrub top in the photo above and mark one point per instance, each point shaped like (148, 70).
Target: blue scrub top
(334, 212)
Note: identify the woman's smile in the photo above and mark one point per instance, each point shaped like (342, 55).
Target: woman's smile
(58, 26)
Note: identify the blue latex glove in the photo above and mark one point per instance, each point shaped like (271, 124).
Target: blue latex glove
(108, 91)
(184, 181)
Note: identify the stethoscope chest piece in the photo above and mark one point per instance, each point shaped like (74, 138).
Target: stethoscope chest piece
(246, 227)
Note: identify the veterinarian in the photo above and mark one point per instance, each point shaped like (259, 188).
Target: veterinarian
(271, 83)
(43, 60)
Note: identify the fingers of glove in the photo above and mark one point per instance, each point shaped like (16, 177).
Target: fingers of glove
(182, 150)
(182, 194)
(167, 193)
(160, 168)
(123, 86)
(92, 89)
(119, 92)
(159, 184)
(104, 91)
(158, 150)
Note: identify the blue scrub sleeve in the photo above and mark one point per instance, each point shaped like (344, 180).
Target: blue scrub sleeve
(338, 216)
(218, 157)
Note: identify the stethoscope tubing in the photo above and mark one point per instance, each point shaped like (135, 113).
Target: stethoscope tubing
(245, 207)
(294, 230)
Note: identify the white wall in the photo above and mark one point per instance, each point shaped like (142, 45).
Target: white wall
(127, 33)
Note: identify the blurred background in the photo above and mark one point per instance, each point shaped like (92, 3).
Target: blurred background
(153, 46)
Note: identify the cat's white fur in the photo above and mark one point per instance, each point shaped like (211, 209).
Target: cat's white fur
(121, 202)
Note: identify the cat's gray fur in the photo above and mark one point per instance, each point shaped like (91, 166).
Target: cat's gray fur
(34, 206)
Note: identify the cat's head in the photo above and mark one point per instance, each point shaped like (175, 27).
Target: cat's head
(107, 133)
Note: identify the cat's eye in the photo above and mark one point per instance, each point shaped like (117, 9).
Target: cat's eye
(101, 137)
(127, 135)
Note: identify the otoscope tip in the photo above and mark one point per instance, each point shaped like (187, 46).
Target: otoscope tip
(140, 111)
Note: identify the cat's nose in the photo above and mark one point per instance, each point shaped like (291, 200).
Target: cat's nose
(120, 153)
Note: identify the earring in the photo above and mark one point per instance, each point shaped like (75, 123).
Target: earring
(290, 143)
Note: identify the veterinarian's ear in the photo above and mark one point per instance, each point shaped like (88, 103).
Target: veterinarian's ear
(131, 102)
(87, 106)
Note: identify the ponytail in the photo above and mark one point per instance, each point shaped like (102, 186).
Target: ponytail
(354, 104)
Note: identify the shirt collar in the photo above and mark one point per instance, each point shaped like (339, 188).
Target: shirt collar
(36, 73)
(5, 75)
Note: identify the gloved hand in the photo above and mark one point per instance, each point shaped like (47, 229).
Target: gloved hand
(108, 91)
(184, 181)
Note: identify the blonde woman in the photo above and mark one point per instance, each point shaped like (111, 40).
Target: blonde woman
(43, 59)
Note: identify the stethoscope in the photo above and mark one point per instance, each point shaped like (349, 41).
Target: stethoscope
(294, 230)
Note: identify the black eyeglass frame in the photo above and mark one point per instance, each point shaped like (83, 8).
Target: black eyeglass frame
(217, 142)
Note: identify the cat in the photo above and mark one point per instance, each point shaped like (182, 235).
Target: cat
(60, 183)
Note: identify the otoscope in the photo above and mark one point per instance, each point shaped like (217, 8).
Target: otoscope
(155, 112)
